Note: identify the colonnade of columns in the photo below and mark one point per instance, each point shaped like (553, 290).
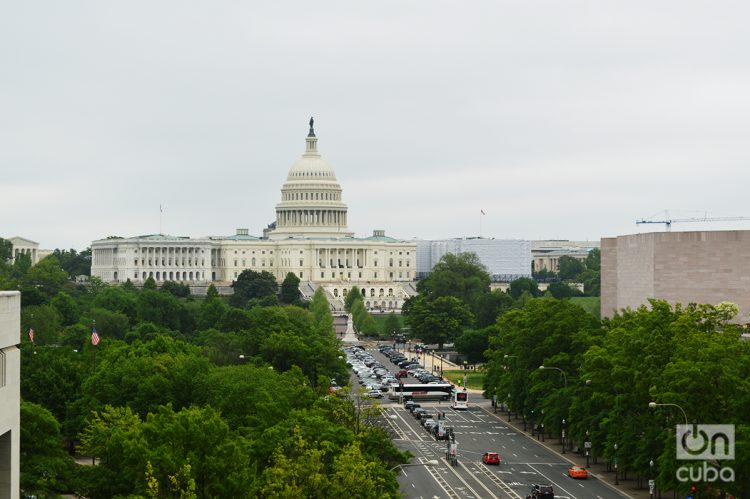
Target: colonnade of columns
(333, 218)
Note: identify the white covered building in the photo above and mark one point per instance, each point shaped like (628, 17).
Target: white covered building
(309, 238)
(505, 259)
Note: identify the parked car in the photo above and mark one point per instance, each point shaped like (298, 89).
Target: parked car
(491, 458)
(401, 374)
(578, 472)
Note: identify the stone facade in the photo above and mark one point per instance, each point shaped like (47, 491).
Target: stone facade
(680, 267)
(309, 238)
(10, 393)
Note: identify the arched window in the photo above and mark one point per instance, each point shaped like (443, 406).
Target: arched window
(364, 292)
(372, 292)
(382, 293)
(336, 292)
(390, 292)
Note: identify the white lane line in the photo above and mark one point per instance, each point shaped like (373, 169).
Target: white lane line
(552, 481)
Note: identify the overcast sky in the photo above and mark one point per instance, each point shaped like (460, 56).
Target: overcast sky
(559, 119)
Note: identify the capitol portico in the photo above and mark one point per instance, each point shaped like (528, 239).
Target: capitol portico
(309, 238)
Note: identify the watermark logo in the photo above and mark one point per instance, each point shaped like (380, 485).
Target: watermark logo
(705, 441)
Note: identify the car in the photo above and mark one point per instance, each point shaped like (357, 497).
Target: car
(491, 458)
(375, 394)
(414, 406)
(578, 472)
(424, 417)
(417, 413)
(541, 492)
(409, 404)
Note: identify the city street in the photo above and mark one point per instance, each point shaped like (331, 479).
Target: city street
(524, 461)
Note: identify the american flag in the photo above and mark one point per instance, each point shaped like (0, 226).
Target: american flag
(31, 335)
(482, 211)
(94, 337)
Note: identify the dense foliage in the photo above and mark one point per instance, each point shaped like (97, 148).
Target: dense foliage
(186, 396)
(600, 378)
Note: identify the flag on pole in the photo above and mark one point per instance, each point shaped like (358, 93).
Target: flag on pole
(482, 211)
(31, 335)
(94, 336)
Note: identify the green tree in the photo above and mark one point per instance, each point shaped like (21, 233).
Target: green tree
(391, 325)
(67, 307)
(46, 469)
(594, 259)
(560, 290)
(150, 284)
(290, 289)
(491, 306)
(352, 296)
(569, 268)
(251, 284)
(438, 321)
(176, 289)
(321, 310)
(6, 250)
(45, 320)
(472, 343)
(74, 263)
(47, 276)
(523, 285)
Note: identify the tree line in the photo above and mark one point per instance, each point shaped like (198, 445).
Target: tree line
(188, 396)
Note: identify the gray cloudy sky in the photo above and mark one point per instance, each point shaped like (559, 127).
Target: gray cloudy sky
(563, 120)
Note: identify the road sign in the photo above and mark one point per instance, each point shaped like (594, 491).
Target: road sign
(651, 486)
(586, 445)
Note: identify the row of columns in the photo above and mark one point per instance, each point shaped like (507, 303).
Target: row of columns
(287, 218)
(348, 258)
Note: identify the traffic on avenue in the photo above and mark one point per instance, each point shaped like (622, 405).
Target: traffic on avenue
(476, 453)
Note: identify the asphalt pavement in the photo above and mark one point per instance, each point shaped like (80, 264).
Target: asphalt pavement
(525, 461)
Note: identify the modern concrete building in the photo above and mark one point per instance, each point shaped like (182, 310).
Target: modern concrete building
(680, 267)
(10, 392)
(309, 238)
(505, 259)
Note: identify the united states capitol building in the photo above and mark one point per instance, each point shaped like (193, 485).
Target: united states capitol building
(309, 238)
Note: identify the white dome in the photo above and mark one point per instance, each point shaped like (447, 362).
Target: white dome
(311, 167)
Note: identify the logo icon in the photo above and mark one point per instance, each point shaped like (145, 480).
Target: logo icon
(705, 441)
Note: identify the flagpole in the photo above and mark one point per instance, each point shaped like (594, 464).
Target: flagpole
(160, 220)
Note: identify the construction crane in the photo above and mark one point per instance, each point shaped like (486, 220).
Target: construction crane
(669, 221)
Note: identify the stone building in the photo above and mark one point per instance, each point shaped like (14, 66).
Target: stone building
(10, 393)
(309, 238)
(679, 267)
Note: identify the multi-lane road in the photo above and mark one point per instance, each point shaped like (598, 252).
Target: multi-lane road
(525, 461)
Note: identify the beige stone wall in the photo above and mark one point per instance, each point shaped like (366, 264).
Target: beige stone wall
(680, 267)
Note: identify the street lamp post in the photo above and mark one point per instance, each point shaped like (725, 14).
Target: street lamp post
(565, 377)
(654, 405)
(562, 436)
(617, 477)
(508, 404)
(651, 482)
(466, 366)
(587, 444)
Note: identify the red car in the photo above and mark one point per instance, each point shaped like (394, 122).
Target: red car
(578, 472)
(491, 458)
(402, 374)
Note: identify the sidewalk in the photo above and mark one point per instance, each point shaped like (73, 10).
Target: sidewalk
(627, 488)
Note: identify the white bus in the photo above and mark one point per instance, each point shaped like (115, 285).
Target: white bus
(404, 391)
(460, 399)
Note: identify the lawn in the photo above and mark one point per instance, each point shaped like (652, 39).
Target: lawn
(591, 304)
(475, 379)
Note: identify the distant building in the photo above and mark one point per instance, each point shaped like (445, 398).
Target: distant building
(546, 254)
(10, 393)
(28, 247)
(505, 259)
(679, 267)
(309, 238)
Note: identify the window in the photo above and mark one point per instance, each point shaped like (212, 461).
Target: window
(301, 263)
(321, 275)
(235, 263)
(376, 275)
(300, 275)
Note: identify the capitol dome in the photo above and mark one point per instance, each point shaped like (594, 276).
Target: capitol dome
(311, 204)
